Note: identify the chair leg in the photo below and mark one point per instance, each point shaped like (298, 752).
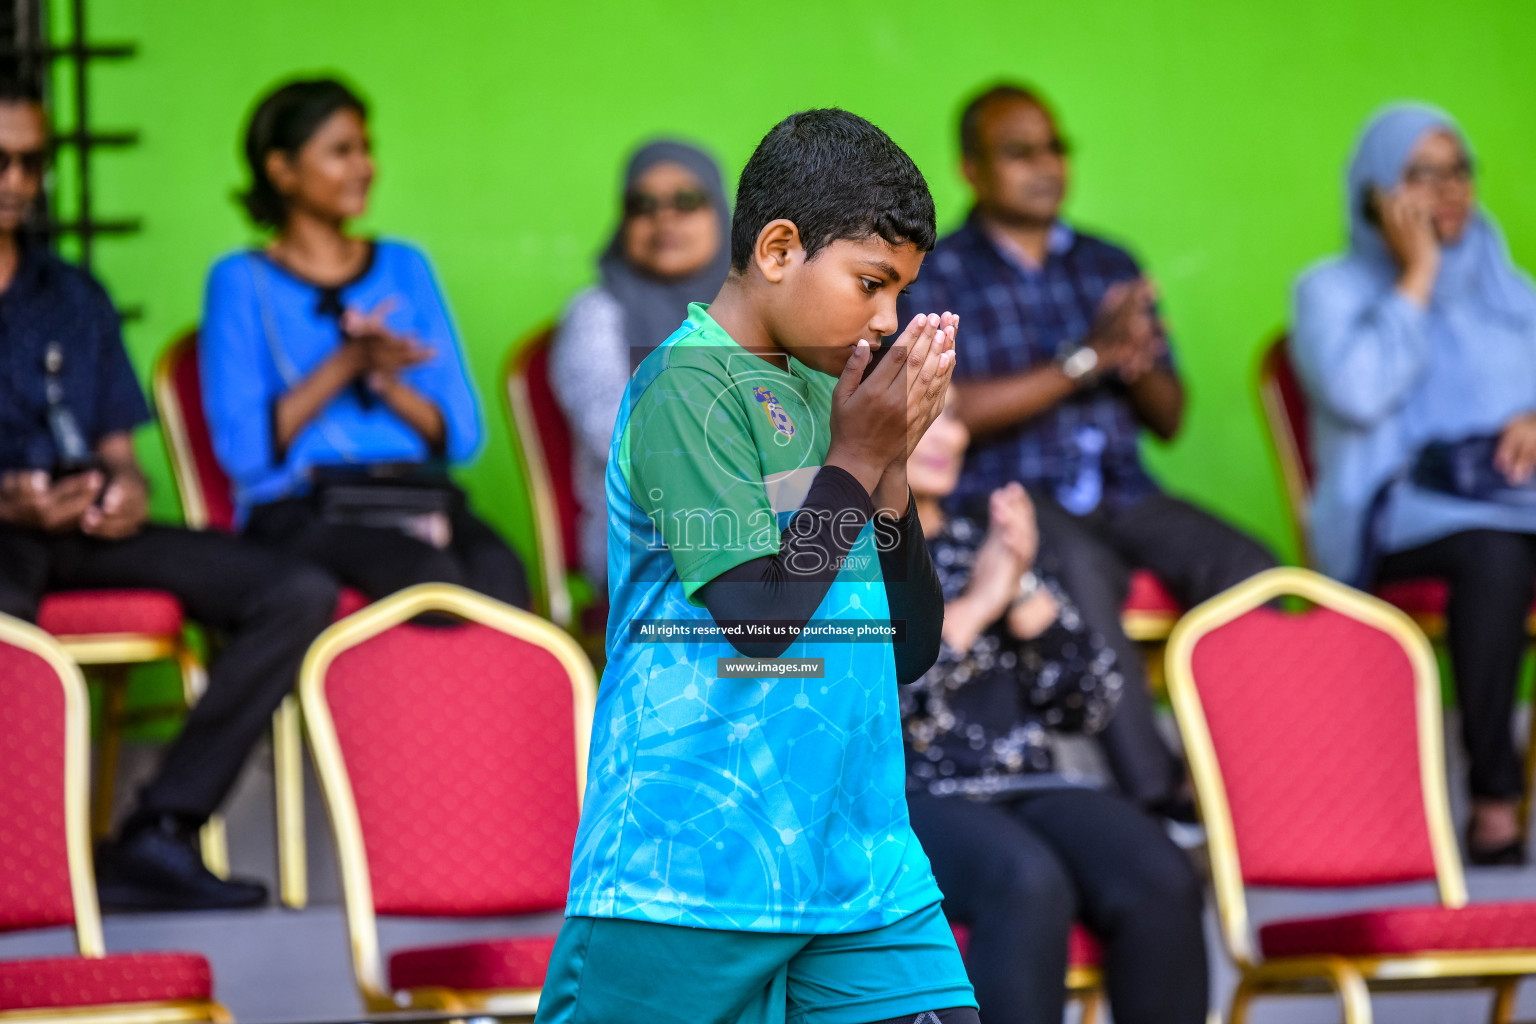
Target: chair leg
(114, 700)
(1354, 996)
(1154, 653)
(1506, 993)
(288, 787)
(213, 840)
(1242, 996)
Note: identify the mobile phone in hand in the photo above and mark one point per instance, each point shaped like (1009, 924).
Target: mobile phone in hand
(1370, 205)
(64, 471)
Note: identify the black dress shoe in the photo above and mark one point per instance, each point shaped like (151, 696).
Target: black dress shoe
(156, 866)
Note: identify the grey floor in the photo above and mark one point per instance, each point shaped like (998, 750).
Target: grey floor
(276, 965)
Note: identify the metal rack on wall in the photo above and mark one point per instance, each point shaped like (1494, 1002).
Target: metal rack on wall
(34, 56)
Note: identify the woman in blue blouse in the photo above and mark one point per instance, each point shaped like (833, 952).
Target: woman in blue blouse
(332, 375)
(1420, 340)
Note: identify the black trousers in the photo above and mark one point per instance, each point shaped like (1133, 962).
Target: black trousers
(267, 606)
(1194, 553)
(1491, 576)
(379, 561)
(1019, 873)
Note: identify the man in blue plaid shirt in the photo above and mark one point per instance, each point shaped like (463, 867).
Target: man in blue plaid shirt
(1064, 361)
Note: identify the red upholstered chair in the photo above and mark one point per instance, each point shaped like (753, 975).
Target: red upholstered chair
(453, 762)
(45, 858)
(1085, 982)
(1285, 412)
(545, 449)
(1315, 745)
(207, 503)
(1150, 611)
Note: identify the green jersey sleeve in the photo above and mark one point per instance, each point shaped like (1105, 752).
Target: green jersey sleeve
(691, 462)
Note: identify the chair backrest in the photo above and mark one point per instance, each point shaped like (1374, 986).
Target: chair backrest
(1290, 431)
(452, 759)
(542, 440)
(1314, 742)
(45, 853)
(206, 494)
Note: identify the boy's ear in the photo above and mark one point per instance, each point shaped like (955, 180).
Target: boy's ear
(776, 247)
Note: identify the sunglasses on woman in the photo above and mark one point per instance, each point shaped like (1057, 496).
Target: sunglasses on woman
(33, 161)
(685, 200)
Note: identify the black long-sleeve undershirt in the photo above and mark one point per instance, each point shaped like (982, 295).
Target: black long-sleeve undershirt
(914, 595)
(788, 587)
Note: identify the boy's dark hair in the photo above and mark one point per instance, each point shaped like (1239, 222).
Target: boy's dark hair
(970, 114)
(284, 120)
(835, 176)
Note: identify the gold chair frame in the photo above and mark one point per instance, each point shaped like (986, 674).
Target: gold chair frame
(287, 729)
(325, 747)
(1350, 979)
(77, 841)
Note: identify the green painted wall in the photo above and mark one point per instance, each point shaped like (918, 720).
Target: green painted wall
(1209, 137)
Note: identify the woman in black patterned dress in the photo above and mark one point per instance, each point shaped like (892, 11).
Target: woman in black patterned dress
(1021, 849)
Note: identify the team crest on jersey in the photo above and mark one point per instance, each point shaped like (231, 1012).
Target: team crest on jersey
(776, 414)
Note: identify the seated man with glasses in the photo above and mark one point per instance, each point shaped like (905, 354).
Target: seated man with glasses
(72, 517)
(1065, 362)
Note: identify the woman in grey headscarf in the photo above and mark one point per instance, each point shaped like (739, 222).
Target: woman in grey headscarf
(1421, 340)
(672, 247)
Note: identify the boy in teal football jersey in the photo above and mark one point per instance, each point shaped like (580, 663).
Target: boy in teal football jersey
(744, 853)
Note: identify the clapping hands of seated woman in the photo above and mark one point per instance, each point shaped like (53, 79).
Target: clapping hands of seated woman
(1032, 608)
(380, 353)
(1002, 582)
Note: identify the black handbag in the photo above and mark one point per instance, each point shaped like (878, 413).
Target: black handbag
(1460, 469)
(1465, 469)
(414, 498)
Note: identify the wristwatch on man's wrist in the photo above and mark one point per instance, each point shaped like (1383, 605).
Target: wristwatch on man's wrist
(1080, 363)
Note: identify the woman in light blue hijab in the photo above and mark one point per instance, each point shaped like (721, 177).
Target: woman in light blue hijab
(1423, 333)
